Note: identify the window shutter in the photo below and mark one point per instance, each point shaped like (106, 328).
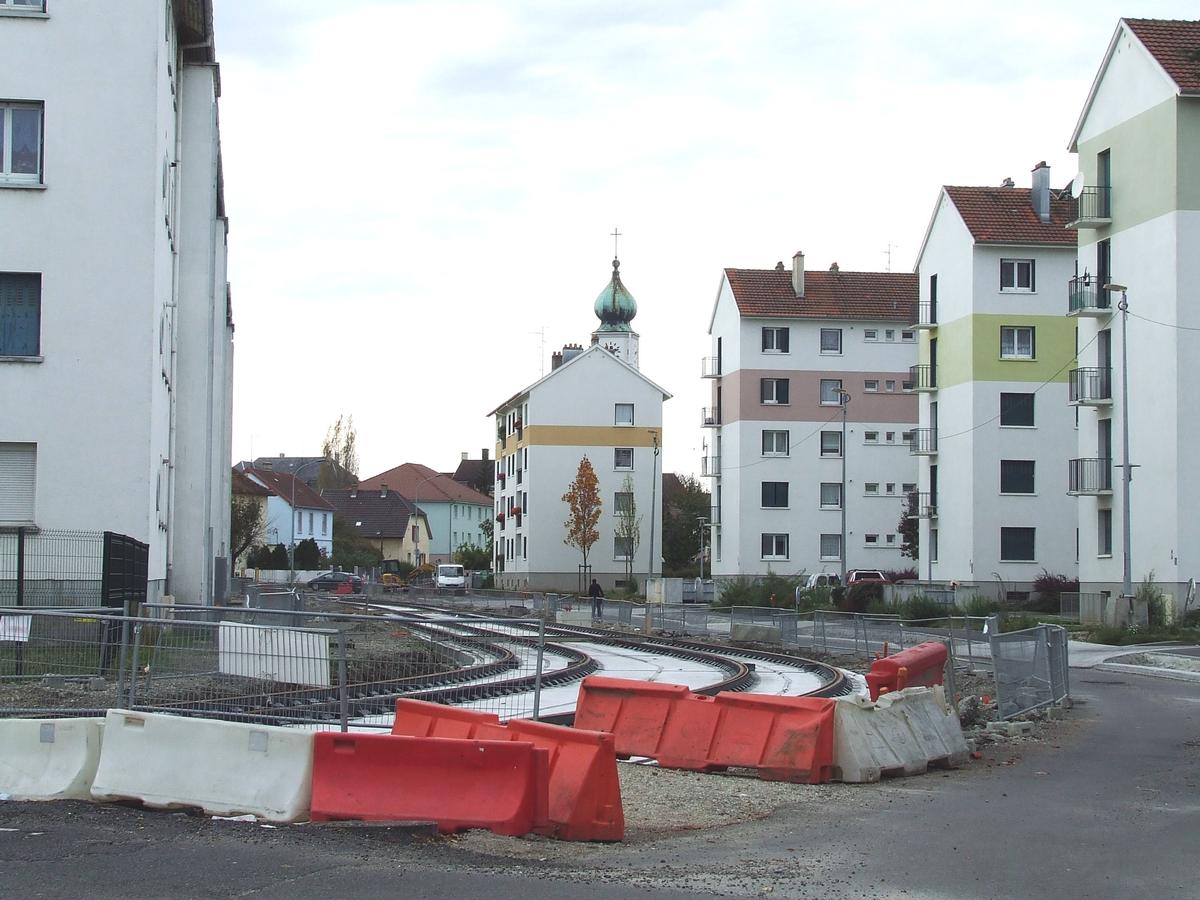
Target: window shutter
(781, 390)
(20, 314)
(18, 478)
(762, 390)
(782, 339)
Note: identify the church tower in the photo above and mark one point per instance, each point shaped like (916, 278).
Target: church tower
(615, 307)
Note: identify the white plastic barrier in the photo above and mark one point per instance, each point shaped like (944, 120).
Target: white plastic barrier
(224, 768)
(49, 759)
(902, 734)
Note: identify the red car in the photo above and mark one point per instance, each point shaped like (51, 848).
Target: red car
(865, 576)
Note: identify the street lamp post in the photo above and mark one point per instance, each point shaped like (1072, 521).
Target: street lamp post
(843, 402)
(292, 511)
(1127, 539)
(702, 522)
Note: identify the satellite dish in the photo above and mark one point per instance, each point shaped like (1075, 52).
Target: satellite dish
(1077, 186)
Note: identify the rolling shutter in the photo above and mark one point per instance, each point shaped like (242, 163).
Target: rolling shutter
(18, 475)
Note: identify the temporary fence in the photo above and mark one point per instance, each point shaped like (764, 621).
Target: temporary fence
(71, 569)
(1031, 669)
(330, 670)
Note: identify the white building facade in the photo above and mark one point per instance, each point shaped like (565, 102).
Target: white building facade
(996, 428)
(791, 351)
(1138, 225)
(116, 354)
(594, 403)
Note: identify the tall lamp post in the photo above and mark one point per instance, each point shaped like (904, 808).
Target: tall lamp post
(844, 402)
(292, 509)
(417, 516)
(702, 523)
(1127, 539)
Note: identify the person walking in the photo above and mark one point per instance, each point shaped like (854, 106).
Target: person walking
(597, 596)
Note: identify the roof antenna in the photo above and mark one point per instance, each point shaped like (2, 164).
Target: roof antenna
(541, 333)
(888, 254)
(616, 236)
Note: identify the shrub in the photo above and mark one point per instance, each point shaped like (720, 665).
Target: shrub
(308, 555)
(740, 591)
(745, 591)
(1155, 599)
(859, 596)
(279, 557)
(919, 606)
(894, 575)
(816, 598)
(1049, 588)
(979, 605)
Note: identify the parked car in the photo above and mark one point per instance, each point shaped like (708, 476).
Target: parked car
(822, 579)
(865, 576)
(333, 580)
(449, 575)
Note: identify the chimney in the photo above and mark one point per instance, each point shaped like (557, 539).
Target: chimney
(484, 451)
(464, 456)
(1040, 195)
(1007, 183)
(353, 493)
(779, 266)
(798, 274)
(555, 360)
(383, 491)
(835, 268)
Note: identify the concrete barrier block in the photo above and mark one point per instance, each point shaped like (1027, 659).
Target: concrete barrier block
(49, 759)
(872, 741)
(935, 727)
(762, 634)
(223, 768)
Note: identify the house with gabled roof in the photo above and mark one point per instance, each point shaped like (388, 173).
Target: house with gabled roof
(1138, 225)
(795, 354)
(996, 431)
(386, 520)
(295, 512)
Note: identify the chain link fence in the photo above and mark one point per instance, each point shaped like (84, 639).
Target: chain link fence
(1031, 669)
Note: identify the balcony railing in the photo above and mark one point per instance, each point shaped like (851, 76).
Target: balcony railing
(923, 442)
(923, 505)
(710, 417)
(1089, 477)
(714, 515)
(1095, 208)
(710, 367)
(926, 314)
(710, 466)
(923, 378)
(1086, 297)
(1091, 386)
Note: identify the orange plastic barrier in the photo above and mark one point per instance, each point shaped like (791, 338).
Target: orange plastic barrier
(785, 738)
(498, 785)
(584, 790)
(919, 666)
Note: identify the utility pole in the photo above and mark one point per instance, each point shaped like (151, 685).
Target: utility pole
(702, 522)
(844, 402)
(1127, 532)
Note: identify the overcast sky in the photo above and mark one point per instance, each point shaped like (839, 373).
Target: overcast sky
(418, 189)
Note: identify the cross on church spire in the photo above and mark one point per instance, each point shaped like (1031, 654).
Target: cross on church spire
(616, 236)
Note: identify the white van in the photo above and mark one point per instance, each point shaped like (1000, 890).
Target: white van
(449, 576)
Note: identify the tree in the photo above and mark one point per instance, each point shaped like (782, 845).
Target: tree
(351, 549)
(684, 501)
(259, 557)
(583, 510)
(629, 526)
(340, 468)
(487, 526)
(308, 555)
(247, 518)
(279, 557)
(908, 528)
(469, 556)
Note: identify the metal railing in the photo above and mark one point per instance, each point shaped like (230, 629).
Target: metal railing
(923, 442)
(1089, 476)
(923, 377)
(926, 314)
(710, 466)
(1090, 385)
(1094, 205)
(923, 505)
(710, 367)
(1031, 669)
(710, 417)
(1086, 294)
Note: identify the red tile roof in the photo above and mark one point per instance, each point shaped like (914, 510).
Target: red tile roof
(1005, 215)
(423, 484)
(245, 486)
(298, 494)
(1175, 43)
(882, 296)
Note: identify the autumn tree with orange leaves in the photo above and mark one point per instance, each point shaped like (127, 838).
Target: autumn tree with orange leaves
(583, 510)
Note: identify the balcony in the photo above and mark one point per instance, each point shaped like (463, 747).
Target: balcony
(923, 442)
(926, 315)
(923, 378)
(710, 417)
(1095, 208)
(710, 367)
(1090, 387)
(710, 466)
(1086, 297)
(1089, 477)
(714, 515)
(923, 505)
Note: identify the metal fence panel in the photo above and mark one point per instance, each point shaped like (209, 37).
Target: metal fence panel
(1031, 669)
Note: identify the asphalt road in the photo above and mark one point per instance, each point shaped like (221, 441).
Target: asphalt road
(1108, 807)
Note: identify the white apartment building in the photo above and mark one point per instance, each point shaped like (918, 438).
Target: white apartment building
(789, 346)
(1138, 225)
(116, 353)
(594, 403)
(996, 355)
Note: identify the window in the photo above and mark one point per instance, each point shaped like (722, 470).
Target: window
(831, 495)
(774, 546)
(890, 437)
(622, 547)
(1016, 410)
(889, 334)
(831, 340)
(890, 487)
(1016, 342)
(31, 5)
(831, 546)
(871, 488)
(774, 443)
(18, 478)
(908, 336)
(20, 314)
(870, 334)
(1017, 544)
(20, 143)
(299, 521)
(623, 458)
(908, 487)
(1016, 476)
(774, 340)
(1016, 275)
(890, 384)
(623, 414)
(1104, 532)
(871, 437)
(871, 540)
(906, 385)
(773, 391)
(933, 545)
(871, 385)
(775, 494)
(907, 436)
(831, 443)
(831, 389)
(310, 524)
(891, 539)
(622, 503)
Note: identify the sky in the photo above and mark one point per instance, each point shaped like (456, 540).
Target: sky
(422, 194)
